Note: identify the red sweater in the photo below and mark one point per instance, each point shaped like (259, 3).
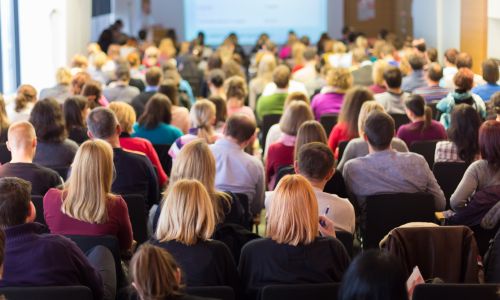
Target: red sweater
(118, 223)
(339, 133)
(144, 146)
(278, 155)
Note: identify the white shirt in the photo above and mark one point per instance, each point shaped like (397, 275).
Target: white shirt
(293, 86)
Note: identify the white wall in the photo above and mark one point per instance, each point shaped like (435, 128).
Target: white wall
(494, 28)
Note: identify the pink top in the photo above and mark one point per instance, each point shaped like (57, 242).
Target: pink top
(118, 223)
(246, 110)
(280, 154)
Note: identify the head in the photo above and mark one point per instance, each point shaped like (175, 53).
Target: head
(122, 71)
(187, 214)
(490, 71)
(464, 79)
(432, 55)
(495, 101)
(463, 131)
(366, 109)
(79, 61)
(378, 71)
(450, 56)
(281, 76)
(363, 278)
(353, 100)
(103, 124)
(169, 88)
(48, 120)
(240, 128)
(26, 94)
(310, 54)
(154, 273)
(158, 110)
(379, 130)
(216, 78)
(75, 110)
(359, 55)
(100, 59)
(232, 68)
(489, 143)
(434, 73)
(89, 186)
(293, 213)
(202, 116)
(63, 76)
(125, 114)
(417, 62)
(296, 96)
(92, 91)
(295, 114)
(21, 139)
(309, 131)
(154, 76)
(393, 77)
(416, 109)
(315, 162)
(78, 81)
(339, 78)
(266, 66)
(464, 60)
(220, 108)
(15, 202)
(236, 88)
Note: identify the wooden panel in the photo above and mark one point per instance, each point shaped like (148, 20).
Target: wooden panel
(474, 31)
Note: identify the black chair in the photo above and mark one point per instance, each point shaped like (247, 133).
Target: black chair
(267, 122)
(347, 239)
(321, 291)
(387, 211)
(243, 199)
(342, 146)
(492, 261)
(448, 176)
(217, 292)
(400, 119)
(425, 148)
(78, 292)
(456, 291)
(436, 114)
(328, 121)
(38, 203)
(165, 159)
(5, 155)
(282, 172)
(138, 214)
(62, 171)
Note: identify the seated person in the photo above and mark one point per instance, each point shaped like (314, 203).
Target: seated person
(393, 99)
(134, 172)
(53, 149)
(273, 103)
(76, 110)
(185, 227)
(315, 162)
(22, 145)
(422, 126)
(33, 258)
(236, 93)
(384, 170)
(86, 206)
(331, 97)
(293, 252)
(491, 76)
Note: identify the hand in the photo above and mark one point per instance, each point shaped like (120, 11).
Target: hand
(328, 229)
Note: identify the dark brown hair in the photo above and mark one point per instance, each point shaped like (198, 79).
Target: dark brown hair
(220, 108)
(490, 71)
(315, 160)
(92, 90)
(393, 77)
(73, 108)
(463, 131)
(15, 197)
(240, 127)
(451, 55)
(353, 100)
(169, 88)
(416, 104)
(379, 128)
(158, 110)
(25, 94)
(47, 118)
(489, 143)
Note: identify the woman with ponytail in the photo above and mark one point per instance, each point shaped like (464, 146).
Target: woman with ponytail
(422, 126)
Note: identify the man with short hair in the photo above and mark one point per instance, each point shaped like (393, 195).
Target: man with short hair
(384, 170)
(272, 103)
(134, 172)
(36, 259)
(21, 142)
(450, 68)
(154, 76)
(309, 75)
(491, 76)
(120, 90)
(363, 69)
(237, 171)
(416, 78)
(393, 99)
(433, 92)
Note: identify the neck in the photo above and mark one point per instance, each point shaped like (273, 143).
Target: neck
(234, 102)
(114, 141)
(432, 83)
(234, 141)
(23, 156)
(372, 150)
(319, 184)
(417, 119)
(394, 90)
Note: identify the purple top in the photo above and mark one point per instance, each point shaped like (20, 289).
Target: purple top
(412, 132)
(327, 103)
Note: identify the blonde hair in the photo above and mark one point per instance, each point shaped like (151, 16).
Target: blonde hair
(187, 214)
(100, 58)
(125, 114)
(88, 188)
(296, 113)
(196, 161)
(309, 131)
(366, 109)
(153, 271)
(236, 87)
(79, 61)
(298, 50)
(340, 78)
(296, 96)
(339, 47)
(293, 213)
(266, 67)
(202, 116)
(167, 48)
(63, 76)
(379, 68)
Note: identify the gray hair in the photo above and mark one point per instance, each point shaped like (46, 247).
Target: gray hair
(102, 122)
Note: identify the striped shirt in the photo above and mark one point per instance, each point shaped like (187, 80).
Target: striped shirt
(432, 93)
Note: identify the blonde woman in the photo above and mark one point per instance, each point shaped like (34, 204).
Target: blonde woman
(265, 70)
(4, 121)
(86, 206)
(331, 97)
(236, 93)
(293, 252)
(126, 117)
(358, 147)
(187, 222)
(62, 89)
(203, 116)
(378, 70)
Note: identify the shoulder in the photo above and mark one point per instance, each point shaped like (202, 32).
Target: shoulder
(53, 193)
(260, 243)
(70, 144)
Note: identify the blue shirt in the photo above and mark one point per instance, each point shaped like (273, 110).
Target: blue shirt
(413, 81)
(485, 91)
(163, 134)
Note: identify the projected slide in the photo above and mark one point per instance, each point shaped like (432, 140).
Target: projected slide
(249, 18)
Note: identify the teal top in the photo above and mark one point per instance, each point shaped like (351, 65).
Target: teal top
(270, 105)
(163, 134)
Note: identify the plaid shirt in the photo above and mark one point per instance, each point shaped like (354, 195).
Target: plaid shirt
(446, 151)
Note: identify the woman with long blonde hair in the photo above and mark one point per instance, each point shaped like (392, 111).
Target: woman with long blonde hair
(86, 205)
(187, 222)
(293, 252)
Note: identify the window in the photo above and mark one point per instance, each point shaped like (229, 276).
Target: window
(9, 46)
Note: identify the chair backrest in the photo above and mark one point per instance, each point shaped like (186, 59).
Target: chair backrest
(218, 292)
(78, 292)
(425, 148)
(38, 203)
(448, 176)
(267, 122)
(137, 212)
(456, 291)
(5, 155)
(347, 239)
(282, 172)
(400, 119)
(62, 171)
(243, 199)
(322, 291)
(328, 121)
(387, 211)
(342, 146)
(165, 159)
(492, 261)
(435, 112)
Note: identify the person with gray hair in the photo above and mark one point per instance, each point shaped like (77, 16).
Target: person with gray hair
(120, 90)
(134, 172)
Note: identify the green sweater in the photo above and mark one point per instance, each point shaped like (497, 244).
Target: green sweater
(270, 105)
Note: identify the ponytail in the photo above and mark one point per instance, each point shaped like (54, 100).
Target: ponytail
(427, 118)
(20, 102)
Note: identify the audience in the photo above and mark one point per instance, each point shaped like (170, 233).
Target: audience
(416, 79)
(53, 149)
(134, 172)
(491, 76)
(216, 78)
(495, 105)
(93, 91)
(121, 90)
(220, 112)
(22, 146)
(265, 71)
(78, 82)
(393, 99)
(62, 90)
(75, 110)
(294, 251)
(450, 68)
(432, 91)
(331, 97)
(4, 121)
(422, 126)
(362, 68)
(25, 100)
(273, 103)
(236, 93)
(180, 114)
(153, 78)
(464, 60)
(308, 74)
(379, 68)
(86, 206)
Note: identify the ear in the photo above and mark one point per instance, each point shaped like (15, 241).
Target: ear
(365, 137)
(90, 135)
(118, 129)
(8, 146)
(330, 174)
(35, 143)
(296, 166)
(31, 213)
(178, 276)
